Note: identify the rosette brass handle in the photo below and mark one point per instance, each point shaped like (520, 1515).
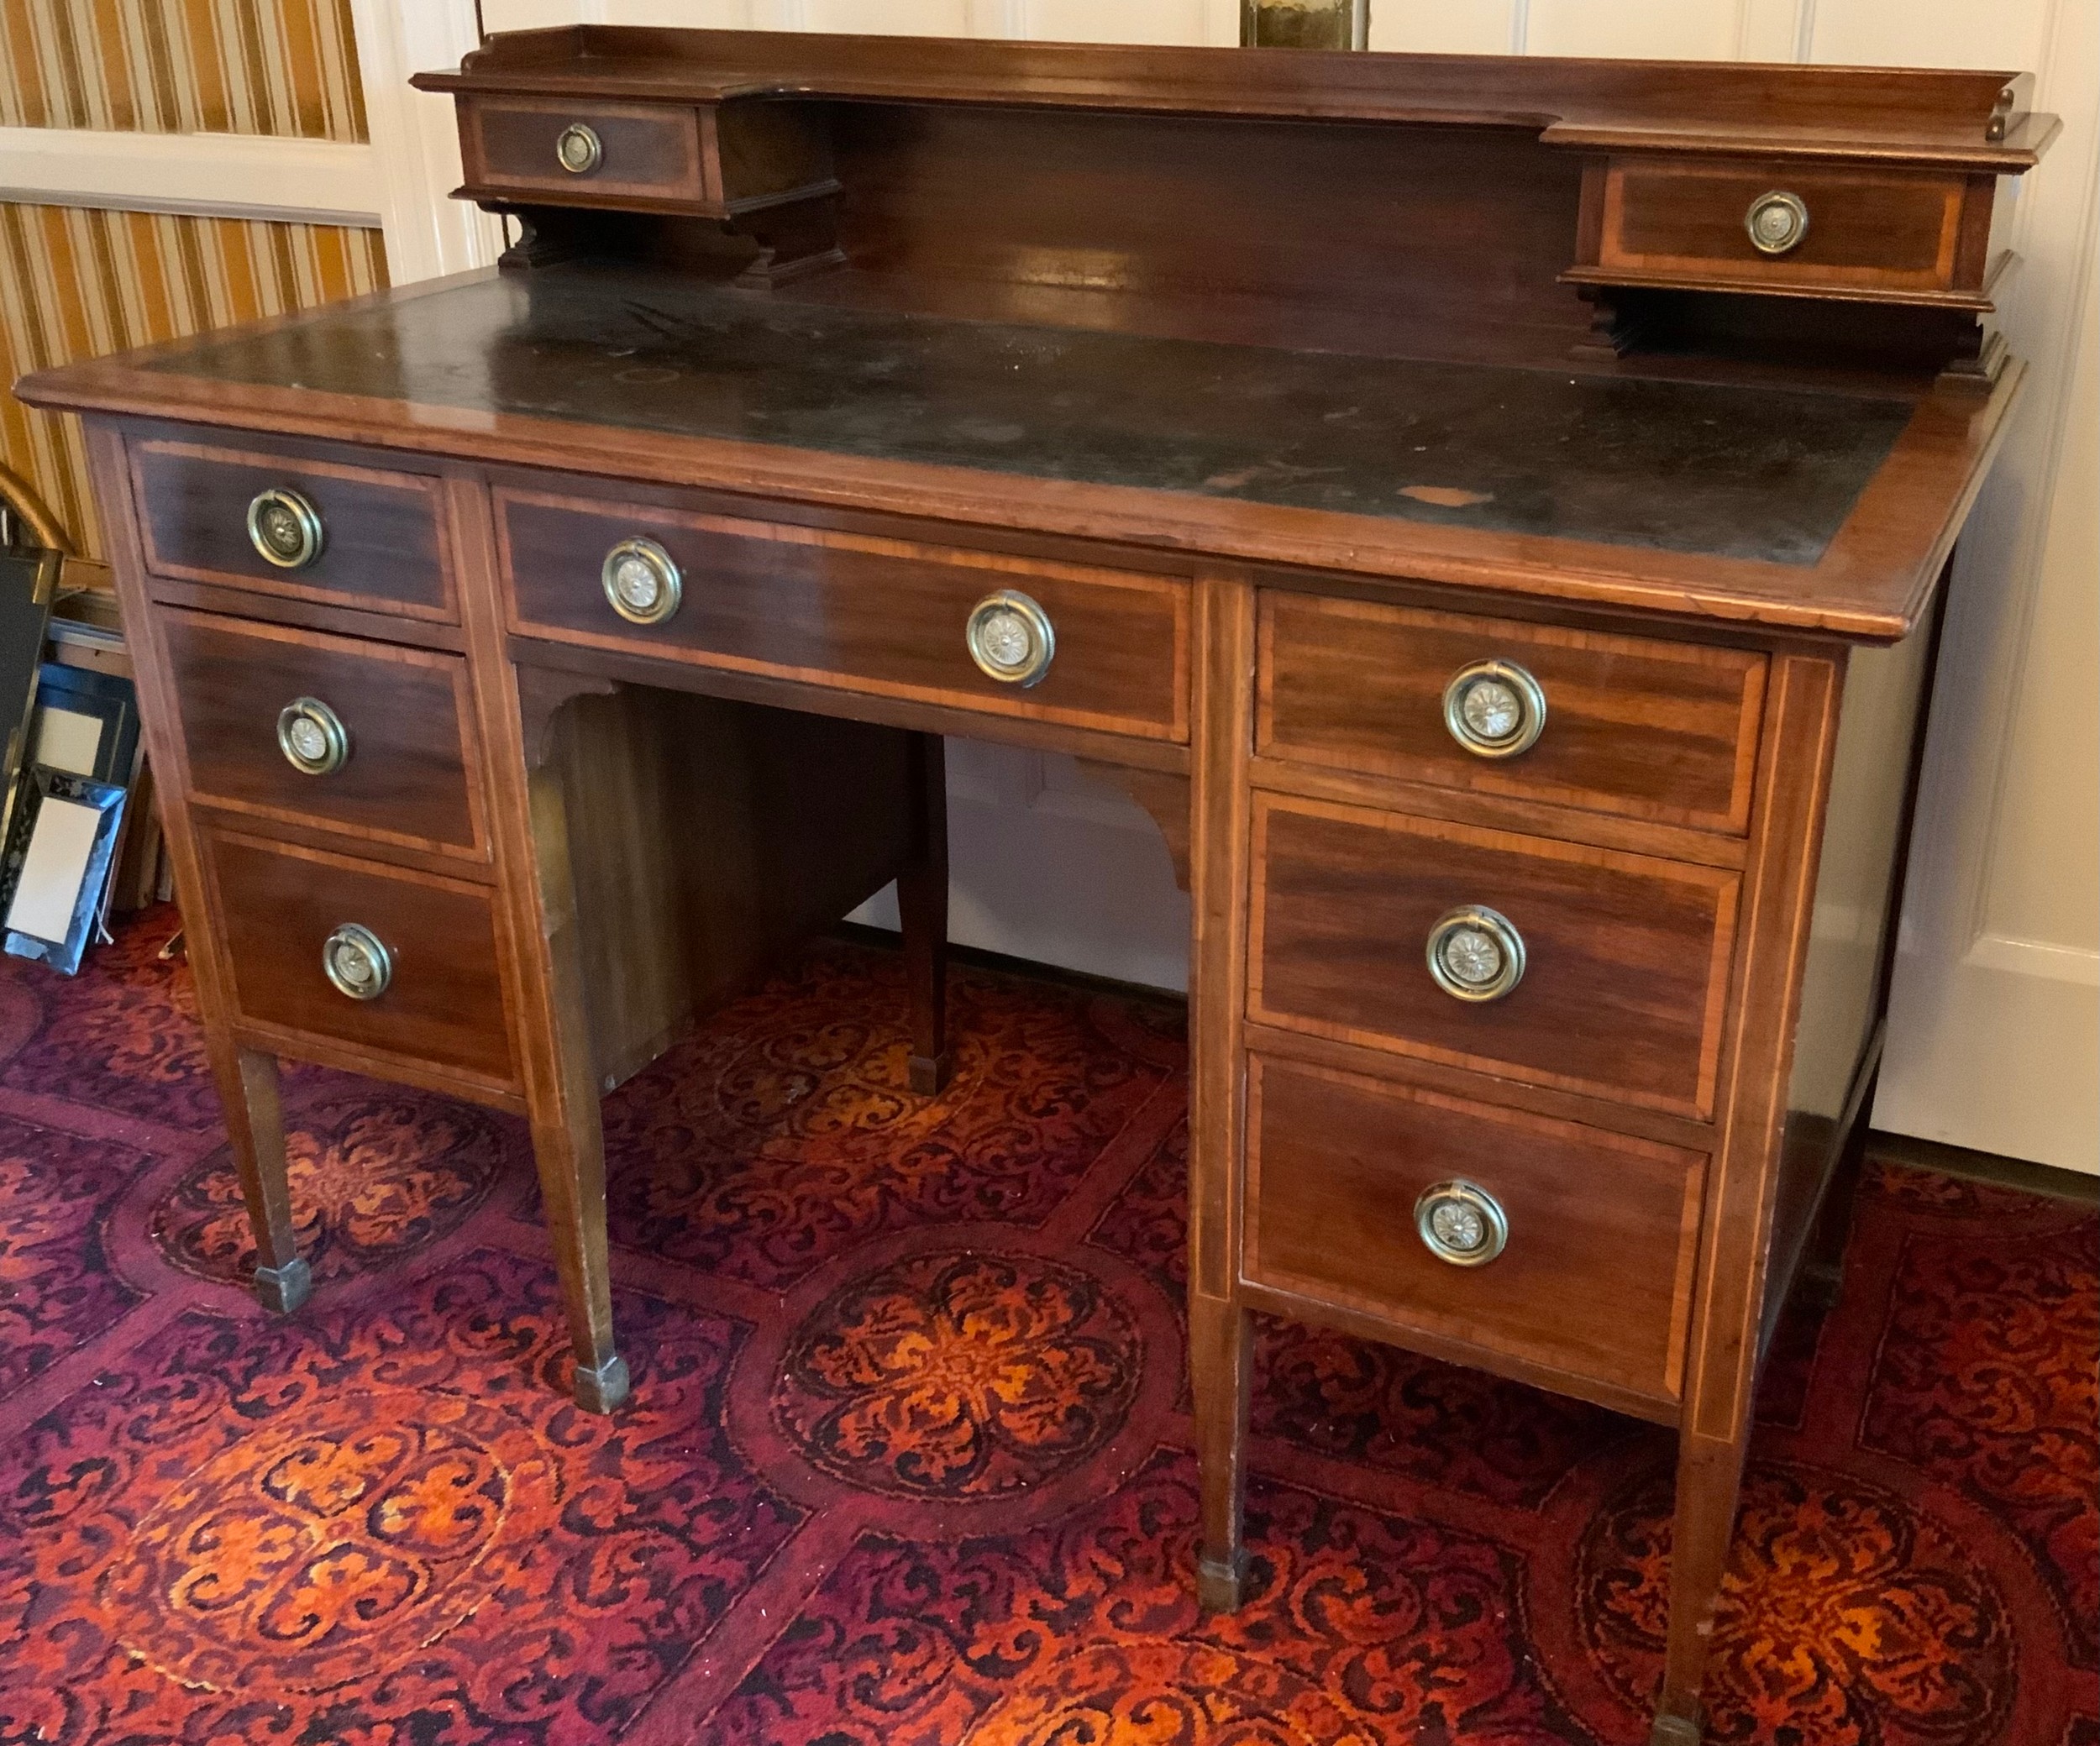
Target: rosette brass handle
(579, 149)
(1011, 638)
(1476, 953)
(312, 738)
(356, 962)
(642, 581)
(1494, 708)
(1777, 222)
(284, 529)
(1461, 1223)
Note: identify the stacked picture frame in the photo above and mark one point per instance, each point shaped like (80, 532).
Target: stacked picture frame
(72, 757)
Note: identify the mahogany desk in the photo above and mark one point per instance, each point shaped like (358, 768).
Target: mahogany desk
(1481, 508)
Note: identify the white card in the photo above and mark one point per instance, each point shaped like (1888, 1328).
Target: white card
(67, 740)
(53, 869)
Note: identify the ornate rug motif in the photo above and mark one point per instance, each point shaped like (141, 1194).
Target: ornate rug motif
(906, 1466)
(376, 1173)
(786, 1131)
(56, 1285)
(1368, 1628)
(123, 1035)
(1848, 1614)
(383, 1525)
(959, 1374)
(1986, 1384)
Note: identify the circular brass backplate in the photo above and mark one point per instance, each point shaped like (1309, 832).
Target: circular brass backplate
(642, 581)
(1010, 638)
(284, 529)
(356, 962)
(579, 149)
(1777, 222)
(1461, 1223)
(1475, 953)
(1494, 708)
(312, 738)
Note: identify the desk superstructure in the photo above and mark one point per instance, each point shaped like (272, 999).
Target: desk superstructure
(1490, 512)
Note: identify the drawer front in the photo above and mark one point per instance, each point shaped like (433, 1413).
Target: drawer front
(443, 1005)
(1600, 1232)
(1624, 958)
(1659, 731)
(379, 543)
(399, 770)
(1876, 230)
(886, 617)
(590, 153)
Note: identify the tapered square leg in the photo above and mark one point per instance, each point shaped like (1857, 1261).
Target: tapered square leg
(568, 1135)
(1709, 1481)
(922, 910)
(254, 1125)
(1221, 1358)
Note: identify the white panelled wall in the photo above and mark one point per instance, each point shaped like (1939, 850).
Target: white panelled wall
(1995, 1039)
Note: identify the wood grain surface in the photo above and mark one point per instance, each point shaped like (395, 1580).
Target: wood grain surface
(413, 776)
(1625, 992)
(864, 614)
(1666, 732)
(382, 549)
(1603, 1229)
(278, 903)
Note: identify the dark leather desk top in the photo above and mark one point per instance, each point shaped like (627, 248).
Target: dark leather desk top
(1758, 473)
(1819, 509)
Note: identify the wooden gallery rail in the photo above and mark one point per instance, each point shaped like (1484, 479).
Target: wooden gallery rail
(1489, 511)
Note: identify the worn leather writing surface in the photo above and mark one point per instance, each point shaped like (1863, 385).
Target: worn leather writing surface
(1734, 471)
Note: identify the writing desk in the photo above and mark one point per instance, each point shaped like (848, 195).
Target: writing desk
(1482, 509)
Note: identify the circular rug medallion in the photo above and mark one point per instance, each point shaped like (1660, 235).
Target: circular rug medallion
(375, 1175)
(958, 1376)
(317, 1554)
(1848, 1618)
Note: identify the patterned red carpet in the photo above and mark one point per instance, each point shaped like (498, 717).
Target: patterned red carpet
(908, 1463)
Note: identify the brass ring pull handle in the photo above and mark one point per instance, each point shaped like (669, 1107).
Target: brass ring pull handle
(1777, 222)
(312, 738)
(356, 962)
(1461, 1223)
(1011, 638)
(1476, 953)
(642, 581)
(1494, 708)
(579, 149)
(284, 529)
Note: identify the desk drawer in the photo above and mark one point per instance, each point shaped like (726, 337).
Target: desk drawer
(856, 612)
(325, 730)
(585, 152)
(440, 1001)
(1599, 1231)
(1664, 731)
(1822, 228)
(338, 534)
(1622, 960)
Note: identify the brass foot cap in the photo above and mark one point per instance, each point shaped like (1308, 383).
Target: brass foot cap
(602, 1390)
(930, 1074)
(1676, 1731)
(1220, 1580)
(284, 1289)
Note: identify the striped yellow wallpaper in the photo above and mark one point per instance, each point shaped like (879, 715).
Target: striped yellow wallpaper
(75, 283)
(177, 66)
